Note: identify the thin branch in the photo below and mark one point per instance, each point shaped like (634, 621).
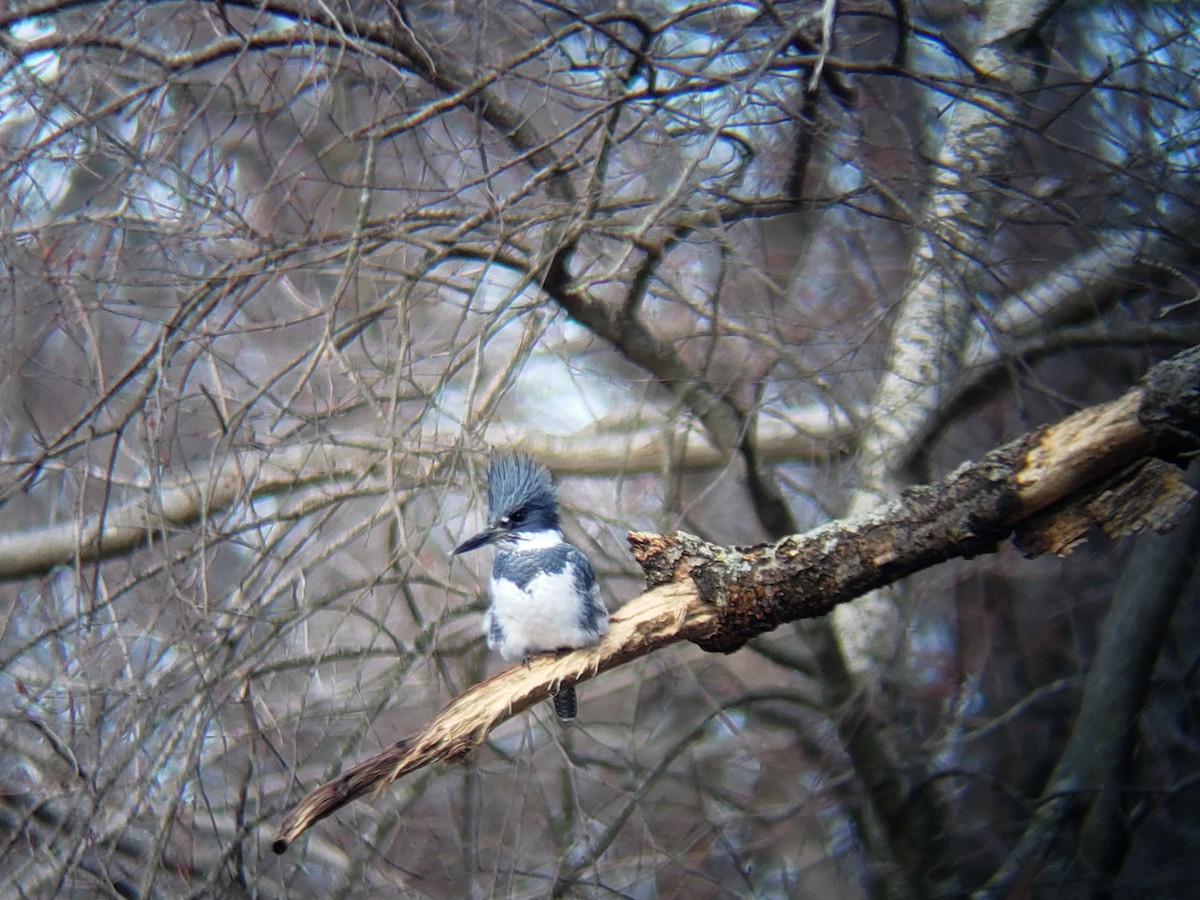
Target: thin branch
(252, 475)
(239, 477)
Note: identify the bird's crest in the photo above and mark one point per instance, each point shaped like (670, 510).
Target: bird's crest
(518, 481)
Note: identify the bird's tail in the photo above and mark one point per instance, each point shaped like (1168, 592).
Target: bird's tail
(565, 703)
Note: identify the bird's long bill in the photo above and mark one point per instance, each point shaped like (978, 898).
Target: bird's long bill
(489, 534)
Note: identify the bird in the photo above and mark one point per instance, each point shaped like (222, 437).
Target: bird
(543, 590)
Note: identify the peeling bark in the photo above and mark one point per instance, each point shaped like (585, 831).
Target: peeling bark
(720, 597)
(1045, 487)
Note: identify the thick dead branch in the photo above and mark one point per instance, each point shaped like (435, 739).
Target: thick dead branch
(1046, 488)
(720, 597)
(659, 617)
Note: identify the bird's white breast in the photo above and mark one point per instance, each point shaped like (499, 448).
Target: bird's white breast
(543, 617)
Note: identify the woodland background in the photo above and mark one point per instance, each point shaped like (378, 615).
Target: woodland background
(277, 276)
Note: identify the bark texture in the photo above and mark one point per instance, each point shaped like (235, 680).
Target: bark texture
(1095, 464)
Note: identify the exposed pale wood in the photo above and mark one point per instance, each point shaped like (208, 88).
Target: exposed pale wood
(665, 615)
(720, 597)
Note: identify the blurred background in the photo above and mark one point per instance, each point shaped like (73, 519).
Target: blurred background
(278, 276)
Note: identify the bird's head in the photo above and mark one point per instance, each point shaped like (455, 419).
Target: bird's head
(521, 499)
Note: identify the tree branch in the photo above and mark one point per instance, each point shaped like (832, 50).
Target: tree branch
(251, 475)
(720, 597)
(1087, 780)
(663, 616)
(125, 527)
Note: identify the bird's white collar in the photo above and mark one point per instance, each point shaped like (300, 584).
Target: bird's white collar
(537, 540)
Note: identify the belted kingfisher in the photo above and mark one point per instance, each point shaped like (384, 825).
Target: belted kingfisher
(543, 590)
